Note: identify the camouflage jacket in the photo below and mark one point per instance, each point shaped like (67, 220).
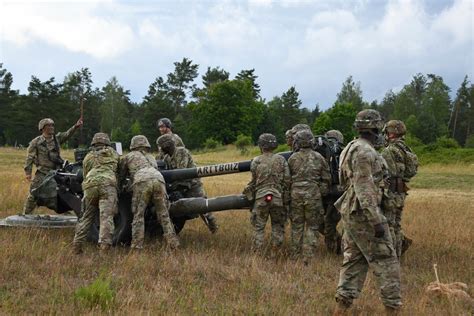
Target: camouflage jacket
(361, 173)
(100, 167)
(45, 153)
(310, 176)
(139, 166)
(270, 175)
(177, 140)
(395, 155)
(180, 159)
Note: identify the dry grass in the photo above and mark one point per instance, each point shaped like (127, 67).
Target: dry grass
(217, 273)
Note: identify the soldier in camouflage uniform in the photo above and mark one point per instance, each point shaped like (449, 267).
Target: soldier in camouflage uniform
(100, 192)
(332, 238)
(44, 153)
(398, 156)
(147, 186)
(179, 158)
(269, 189)
(310, 181)
(366, 240)
(164, 126)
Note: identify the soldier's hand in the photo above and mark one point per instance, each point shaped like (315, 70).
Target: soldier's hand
(78, 123)
(28, 177)
(379, 230)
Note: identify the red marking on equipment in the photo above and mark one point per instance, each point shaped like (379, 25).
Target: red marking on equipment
(268, 198)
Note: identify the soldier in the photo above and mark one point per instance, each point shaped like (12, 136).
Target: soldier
(332, 238)
(44, 153)
(147, 186)
(269, 190)
(402, 165)
(179, 158)
(164, 125)
(366, 240)
(100, 192)
(289, 138)
(310, 181)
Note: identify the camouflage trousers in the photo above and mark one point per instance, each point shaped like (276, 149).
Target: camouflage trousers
(102, 199)
(306, 218)
(392, 208)
(361, 251)
(145, 193)
(31, 201)
(259, 217)
(332, 217)
(198, 191)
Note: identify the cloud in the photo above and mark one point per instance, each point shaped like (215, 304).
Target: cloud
(67, 24)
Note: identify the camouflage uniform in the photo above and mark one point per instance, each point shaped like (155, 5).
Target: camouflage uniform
(395, 155)
(181, 158)
(310, 180)
(177, 140)
(361, 174)
(147, 185)
(100, 191)
(45, 155)
(332, 237)
(269, 189)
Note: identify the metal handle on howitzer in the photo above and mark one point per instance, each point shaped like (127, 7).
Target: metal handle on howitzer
(212, 170)
(197, 206)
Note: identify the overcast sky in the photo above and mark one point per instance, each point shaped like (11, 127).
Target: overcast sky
(312, 45)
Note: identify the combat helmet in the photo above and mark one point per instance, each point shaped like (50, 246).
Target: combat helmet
(368, 120)
(300, 127)
(337, 135)
(267, 141)
(100, 138)
(304, 139)
(396, 127)
(139, 141)
(164, 140)
(44, 122)
(164, 122)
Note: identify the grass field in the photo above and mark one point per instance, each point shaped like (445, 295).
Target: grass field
(218, 274)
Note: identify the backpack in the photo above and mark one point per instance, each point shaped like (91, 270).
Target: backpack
(411, 161)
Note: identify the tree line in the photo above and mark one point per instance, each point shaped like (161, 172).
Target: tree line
(222, 108)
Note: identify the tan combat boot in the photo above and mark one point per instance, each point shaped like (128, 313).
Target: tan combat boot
(390, 311)
(77, 248)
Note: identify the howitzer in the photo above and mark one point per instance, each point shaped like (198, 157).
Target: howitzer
(69, 195)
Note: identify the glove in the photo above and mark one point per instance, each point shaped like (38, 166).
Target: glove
(379, 230)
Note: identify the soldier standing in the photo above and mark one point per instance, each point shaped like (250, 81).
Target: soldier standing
(367, 241)
(147, 186)
(332, 238)
(268, 188)
(100, 192)
(310, 181)
(402, 166)
(164, 126)
(180, 158)
(44, 153)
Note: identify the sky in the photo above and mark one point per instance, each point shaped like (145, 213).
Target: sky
(311, 45)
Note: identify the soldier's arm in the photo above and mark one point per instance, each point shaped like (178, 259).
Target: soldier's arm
(122, 170)
(64, 136)
(366, 190)
(178, 141)
(286, 183)
(325, 177)
(387, 154)
(249, 190)
(85, 166)
(30, 159)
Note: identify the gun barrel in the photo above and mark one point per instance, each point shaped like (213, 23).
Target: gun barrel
(211, 170)
(196, 206)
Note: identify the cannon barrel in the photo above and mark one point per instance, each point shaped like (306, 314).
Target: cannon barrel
(211, 170)
(196, 206)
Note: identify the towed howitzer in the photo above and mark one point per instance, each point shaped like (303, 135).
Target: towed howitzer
(69, 196)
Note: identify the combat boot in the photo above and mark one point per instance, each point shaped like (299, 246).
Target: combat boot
(212, 224)
(390, 311)
(77, 248)
(104, 248)
(172, 242)
(341, 309)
